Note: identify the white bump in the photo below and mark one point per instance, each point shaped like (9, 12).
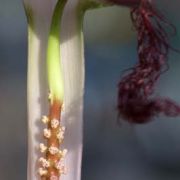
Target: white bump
(47, 133)
(54, 123)
(64, 152)
(62, 128)
(60, 134)
(42, 172)
(53, 150)
(53, 177)
(63, 170)
(45, 119)
(62, 107)
(58, 165)
(42, 147)
(44, 162)
(50, 98)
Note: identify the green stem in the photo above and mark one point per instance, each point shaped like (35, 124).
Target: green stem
(55, 79)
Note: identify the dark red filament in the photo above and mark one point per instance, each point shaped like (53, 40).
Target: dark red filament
(136, 102)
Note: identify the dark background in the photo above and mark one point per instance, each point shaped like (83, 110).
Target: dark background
(126, 152)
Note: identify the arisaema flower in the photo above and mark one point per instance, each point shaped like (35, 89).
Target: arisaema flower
(56, 65)
(55, 69)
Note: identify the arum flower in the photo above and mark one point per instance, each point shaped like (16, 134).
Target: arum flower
(46, 54)
(56, 65)
(39, 15)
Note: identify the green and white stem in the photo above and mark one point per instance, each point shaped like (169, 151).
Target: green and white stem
(51, 163)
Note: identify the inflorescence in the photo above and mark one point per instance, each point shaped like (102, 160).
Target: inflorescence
(52, 162)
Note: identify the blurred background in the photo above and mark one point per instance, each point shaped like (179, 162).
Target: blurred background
(124, 152)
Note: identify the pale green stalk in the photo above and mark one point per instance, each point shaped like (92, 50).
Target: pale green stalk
(54, 69)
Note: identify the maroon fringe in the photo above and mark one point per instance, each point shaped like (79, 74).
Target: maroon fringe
(136, 102)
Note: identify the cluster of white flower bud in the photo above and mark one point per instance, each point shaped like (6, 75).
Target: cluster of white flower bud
(42, 172)
(59, 165)
(47, 133)
(45, 119)
(54, 123)
(42, 148)
(60, 134)
(45, 164)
